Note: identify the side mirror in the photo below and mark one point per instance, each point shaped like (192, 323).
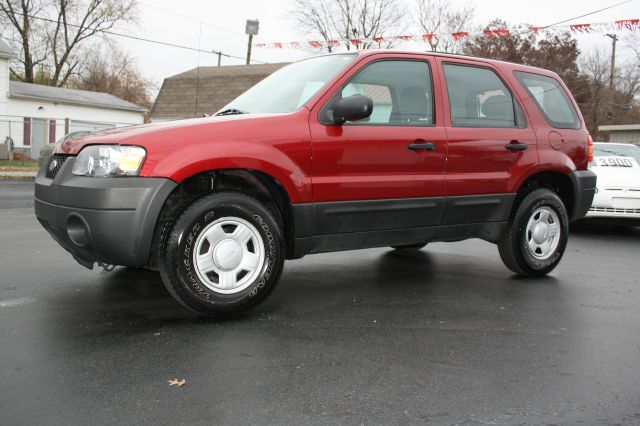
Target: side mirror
(352, 108)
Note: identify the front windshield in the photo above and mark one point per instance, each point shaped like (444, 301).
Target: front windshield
(290, 87)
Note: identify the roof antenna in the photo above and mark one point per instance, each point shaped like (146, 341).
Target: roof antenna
(195, 111)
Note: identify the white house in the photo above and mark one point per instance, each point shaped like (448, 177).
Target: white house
(622, 133)
(32, 115)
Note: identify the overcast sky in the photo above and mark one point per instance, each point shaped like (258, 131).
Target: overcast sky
(223, 28)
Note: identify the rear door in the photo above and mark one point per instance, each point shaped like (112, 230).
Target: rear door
(491, 144)
(376, 174)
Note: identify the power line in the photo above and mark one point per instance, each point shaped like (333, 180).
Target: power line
(132, 37)
(590, 13)
(206, 24)
(530, 30)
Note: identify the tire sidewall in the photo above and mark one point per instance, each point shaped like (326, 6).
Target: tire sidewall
(182, 244)
(530, 205)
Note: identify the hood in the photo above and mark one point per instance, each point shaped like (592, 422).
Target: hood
(617, 177)
(148, 135)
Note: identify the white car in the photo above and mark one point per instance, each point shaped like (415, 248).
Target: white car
(618, 189)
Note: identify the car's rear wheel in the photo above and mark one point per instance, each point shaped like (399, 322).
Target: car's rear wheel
(224, 254)
(409, 247)
(537, 235)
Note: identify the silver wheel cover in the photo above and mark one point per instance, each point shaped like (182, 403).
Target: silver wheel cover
(228, 255)
(542, 233)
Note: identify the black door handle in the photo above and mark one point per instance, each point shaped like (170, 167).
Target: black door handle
(516, 146)
(420, 144)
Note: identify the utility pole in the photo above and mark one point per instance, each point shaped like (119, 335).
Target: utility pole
(612, 73)
(251, 29)
(219, 53)
(249, 49)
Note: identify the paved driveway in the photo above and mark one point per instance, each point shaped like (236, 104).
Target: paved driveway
(442, 336)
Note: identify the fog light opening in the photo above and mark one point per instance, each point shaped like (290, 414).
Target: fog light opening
(78, 230)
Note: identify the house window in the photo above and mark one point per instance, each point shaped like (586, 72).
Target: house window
(52, 131)
(26, 135)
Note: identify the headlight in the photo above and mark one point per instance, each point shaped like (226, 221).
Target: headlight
(109, 160)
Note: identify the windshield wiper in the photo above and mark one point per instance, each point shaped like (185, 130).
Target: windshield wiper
(231, 111)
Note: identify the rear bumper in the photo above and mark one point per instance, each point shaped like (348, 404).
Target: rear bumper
(621, 202)
(584, 189)
(108, 220)
(603, 212)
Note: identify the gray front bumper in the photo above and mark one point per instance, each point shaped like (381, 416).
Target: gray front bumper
(108, 220)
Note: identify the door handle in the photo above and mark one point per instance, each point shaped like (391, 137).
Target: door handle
(516, 146)
(420, 144)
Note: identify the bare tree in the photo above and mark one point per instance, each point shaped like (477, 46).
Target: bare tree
(347, 20)
(52, 33)
(110, 70)
(632, 41)
(596, 107)
(30, 34)
(440, 17)
(595, 66)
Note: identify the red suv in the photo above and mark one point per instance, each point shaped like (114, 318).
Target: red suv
(337, 152)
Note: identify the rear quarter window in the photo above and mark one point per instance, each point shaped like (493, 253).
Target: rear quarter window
(551, 99)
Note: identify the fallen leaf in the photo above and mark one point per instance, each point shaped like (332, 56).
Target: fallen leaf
(178, 383)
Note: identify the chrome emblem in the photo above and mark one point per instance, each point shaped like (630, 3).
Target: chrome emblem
(53, 165)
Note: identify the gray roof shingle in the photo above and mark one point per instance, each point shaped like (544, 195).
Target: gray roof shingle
(29, 91)
(215, 86)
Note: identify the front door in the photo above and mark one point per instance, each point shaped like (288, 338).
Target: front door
(387, 171)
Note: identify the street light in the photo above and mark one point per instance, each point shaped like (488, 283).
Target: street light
(251, 29)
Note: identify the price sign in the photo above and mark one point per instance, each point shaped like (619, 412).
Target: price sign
(616, 162)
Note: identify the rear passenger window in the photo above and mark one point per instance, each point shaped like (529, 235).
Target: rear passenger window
(551, 99)
(401, 92)
(478, 98)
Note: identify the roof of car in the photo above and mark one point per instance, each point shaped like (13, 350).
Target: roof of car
(497, 63)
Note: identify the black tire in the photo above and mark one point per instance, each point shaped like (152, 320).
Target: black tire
(177, 266)
(513, 246)
(408, 247)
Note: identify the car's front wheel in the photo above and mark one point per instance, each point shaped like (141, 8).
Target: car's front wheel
(537, 235)
(224, 254)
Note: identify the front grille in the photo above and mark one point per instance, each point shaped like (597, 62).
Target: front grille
(613, 210)
(55, 164)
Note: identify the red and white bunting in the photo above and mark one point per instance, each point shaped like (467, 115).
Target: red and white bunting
(461, 36)
(628, 24)
(580, 28)
(503, 32)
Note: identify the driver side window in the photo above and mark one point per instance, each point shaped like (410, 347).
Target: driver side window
(401, 91)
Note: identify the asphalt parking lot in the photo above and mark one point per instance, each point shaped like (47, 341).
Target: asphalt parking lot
(445, 335)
